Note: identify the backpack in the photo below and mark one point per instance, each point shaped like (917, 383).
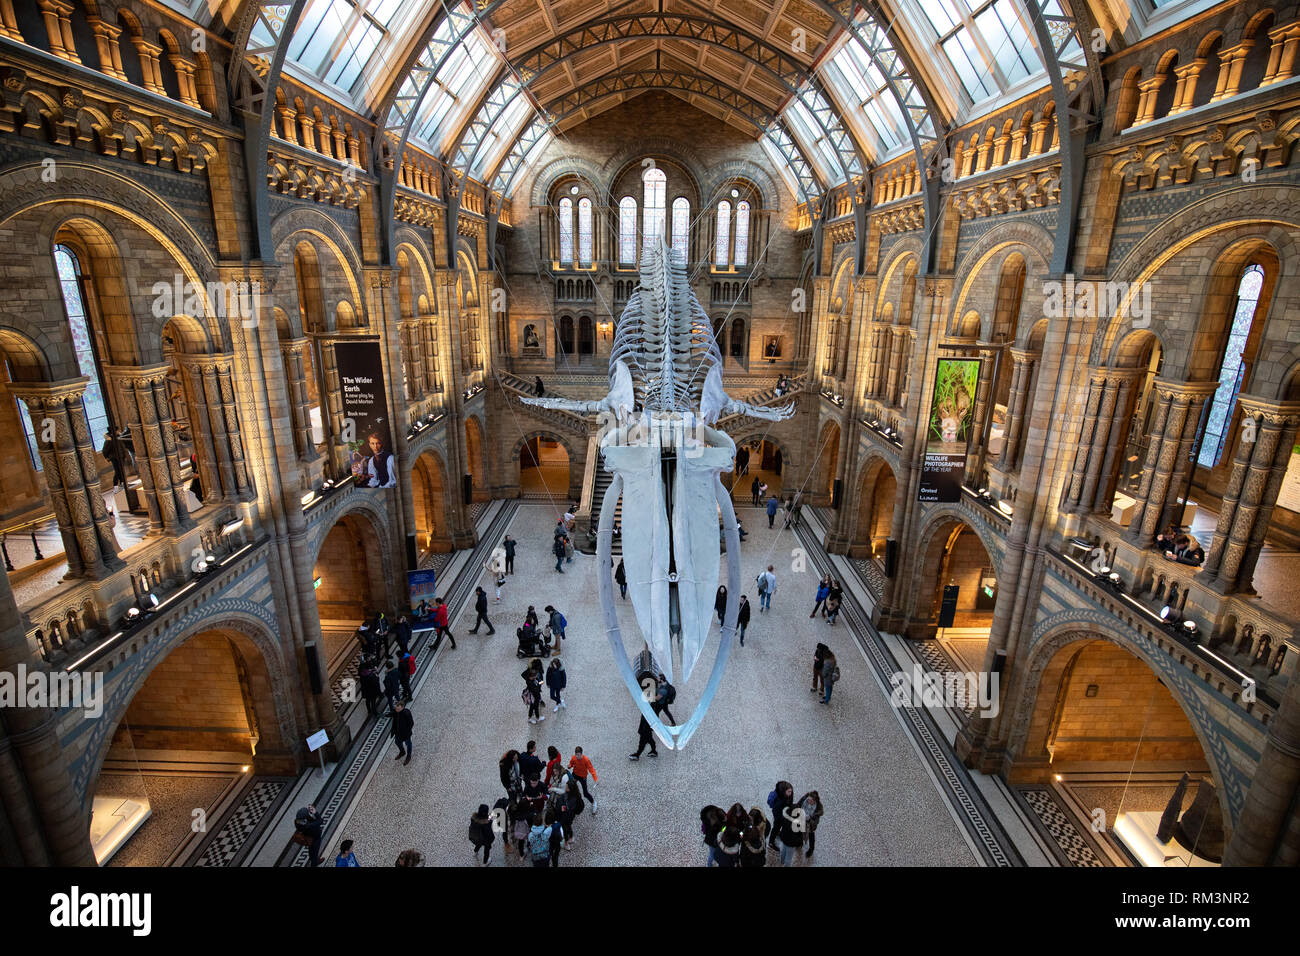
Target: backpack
(539, 844)
(761, 581)
(670, 693)
(771, 800)
(563, 622)
(527, 696)
(835, 675)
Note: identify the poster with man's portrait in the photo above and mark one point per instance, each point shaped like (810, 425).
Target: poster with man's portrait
(367, 433)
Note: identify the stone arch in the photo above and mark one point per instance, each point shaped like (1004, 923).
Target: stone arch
(575, 462)
(671, 151)
(870, 527)
(723, 174)
(1054, 636)
(825, 459)
(362, 517)
(1004, 239)
(940, 523)
(557, 169)
(19, 343)
(433, 492)
(253, 627)
(327, 241)
(475, 457)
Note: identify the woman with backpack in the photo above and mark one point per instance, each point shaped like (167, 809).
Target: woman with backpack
(557, 679)
(830, 674)
(480, 832)
(811, 803)
(823, 592)
(539, 841)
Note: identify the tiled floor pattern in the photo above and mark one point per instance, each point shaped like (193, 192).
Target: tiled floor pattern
(243, 821)
(872, 574)
(1062, 826)
(764, 725)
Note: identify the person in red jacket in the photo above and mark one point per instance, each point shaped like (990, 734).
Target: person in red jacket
(441, 616)
(582, 768)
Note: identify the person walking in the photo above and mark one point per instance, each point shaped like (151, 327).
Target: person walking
(509, 545)
(620, 576)
(402, 634)
(556, 680)
(665, 694)
(836, 594)
(500, 582)
(405, 671)
(552, 820)
(541, 389)
(392, 685)
(753, 491)
(830, 674)
(644, 736)
(480, 608)
(403, 728)
(309, 829)
(557, 621)
(788, 509)
(720, 603)
(112, 450)
(346, 858)
(832, 610)
(480, 832)
(762, 492)
(371, 689)
(766, 586)
(781, 797)
(819, 657)
(742, 618)
(797, 514)
(441, 621)
(772, 505)
(557, 549)
(823, 592)
(811, 803)
(532, 696)
(581, 767)
(568, 550)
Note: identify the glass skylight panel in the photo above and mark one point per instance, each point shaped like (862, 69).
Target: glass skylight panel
(462, 79)
(336, 39)
(802, 126)
(502, 134)
(779, 162)
(1007, 38)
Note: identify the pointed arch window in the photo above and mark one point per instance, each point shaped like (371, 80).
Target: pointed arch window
(83, 343)
(720, 256)
(586, 244)
(627, 231)
(682, 226)
(566, 230)
(742, 233)
(1233, 369)
(654, 211)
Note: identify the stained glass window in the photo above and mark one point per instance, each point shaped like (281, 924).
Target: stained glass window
(682, 226)
(742, 233)
(724, 233)
(566, 229)
(1233, 369)
(69, 270)
(653, 212)
(627, 231)
(585, 240)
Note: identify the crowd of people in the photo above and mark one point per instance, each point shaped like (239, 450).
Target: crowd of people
(740, 837)
(542, 800)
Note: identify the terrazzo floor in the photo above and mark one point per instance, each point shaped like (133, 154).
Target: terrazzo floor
(172, 801)
(882, 807)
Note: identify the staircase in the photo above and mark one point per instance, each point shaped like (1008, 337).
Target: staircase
(602, 480)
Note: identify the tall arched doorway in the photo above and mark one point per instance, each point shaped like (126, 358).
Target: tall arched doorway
(200, 724)
(1105, 729)
(543, 469)
(350, 586)
(877, 493)
(429, 493)
(822, 480)
(954, 557)
(474, 458)
(762, 460)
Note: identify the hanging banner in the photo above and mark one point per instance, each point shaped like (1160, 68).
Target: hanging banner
(949, 429)
(422, 585)
(366, 433)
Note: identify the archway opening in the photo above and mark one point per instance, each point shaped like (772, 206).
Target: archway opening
(757, 462)
(877, 495)
(432, 527)
(956, 592)
(350, 588)
(1106, 731)
(474, 458)
(543, 469)
(203, 724)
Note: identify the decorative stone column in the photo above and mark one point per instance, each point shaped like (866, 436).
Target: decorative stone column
(1087, 434)
(1257, 472)
(892, 378)
(71, 475)
(1105, 440)
(299, 400)
(429, 352)
(1231, 62)
(983, 402)
(217, 420)
(1180, 411)
(58, 28)
(143, 391)
(106, 42)
(1282, 55)
(1022, 388)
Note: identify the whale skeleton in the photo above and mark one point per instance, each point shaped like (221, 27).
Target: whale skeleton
(658, 442)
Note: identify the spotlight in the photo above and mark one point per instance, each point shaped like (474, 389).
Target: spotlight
(1005, 508)
(231, 527)
(1190, 628)
(308, 498)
